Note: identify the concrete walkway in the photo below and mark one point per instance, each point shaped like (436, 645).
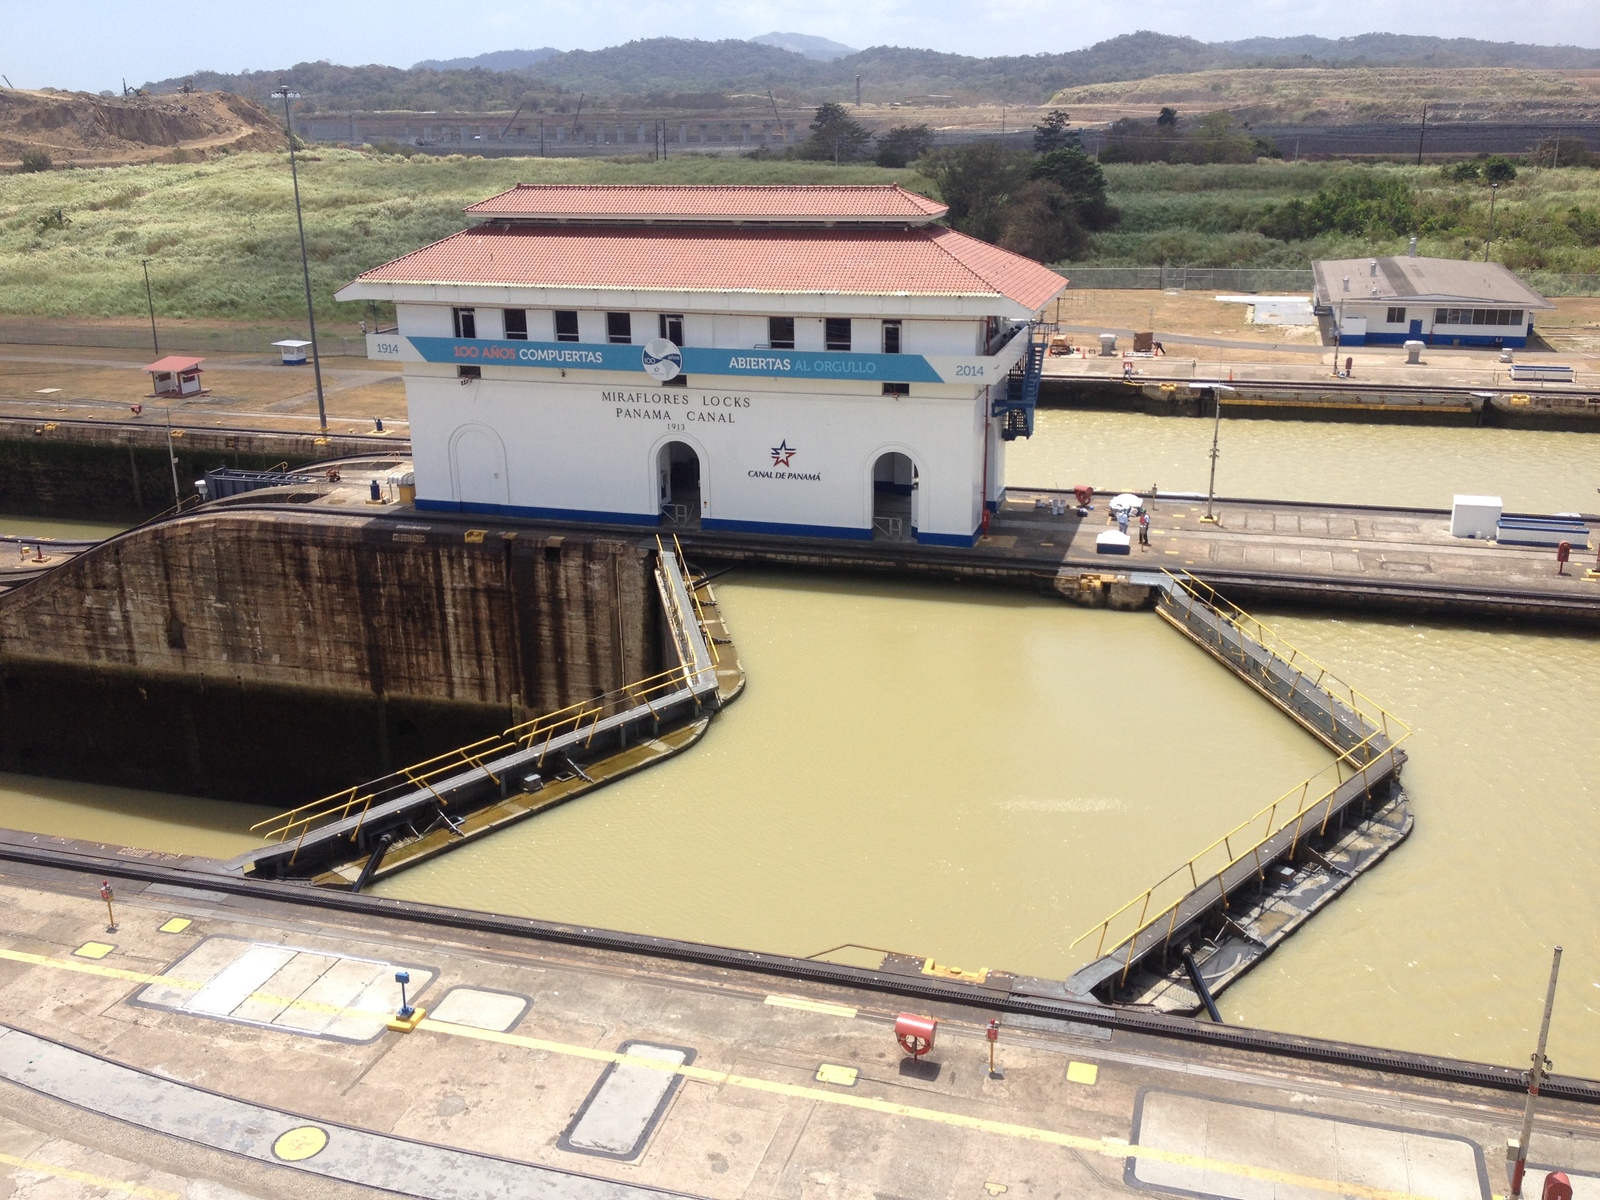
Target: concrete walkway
(555, 1070)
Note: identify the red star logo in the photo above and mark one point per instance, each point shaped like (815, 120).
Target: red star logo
(782, 453)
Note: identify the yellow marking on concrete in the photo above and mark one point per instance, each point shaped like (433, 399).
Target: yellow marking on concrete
(1106, 1147)
(399, 1024)
(176, 925)
(1085, 1073)
(995, 1189)
(113, 1185)
(300, 1143)
(94, 949)
(1070, 1141)
(815, 1006)
(832, 1073)
(945, 971)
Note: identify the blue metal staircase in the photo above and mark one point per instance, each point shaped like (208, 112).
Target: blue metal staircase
(1018, 395)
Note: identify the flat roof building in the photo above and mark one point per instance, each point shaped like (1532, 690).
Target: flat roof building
(824, 361)
(1438, 301)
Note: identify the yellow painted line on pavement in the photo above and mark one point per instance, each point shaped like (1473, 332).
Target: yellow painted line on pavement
(1109, 1148)
(127, 1189)
(815, 1006)
(1106, 1147)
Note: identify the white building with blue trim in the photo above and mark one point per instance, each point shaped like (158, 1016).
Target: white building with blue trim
(1436, 301)
(818, 361)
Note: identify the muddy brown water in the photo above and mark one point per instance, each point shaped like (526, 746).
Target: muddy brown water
(980, 775)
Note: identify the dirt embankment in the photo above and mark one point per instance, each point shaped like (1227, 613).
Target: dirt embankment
(81, 129)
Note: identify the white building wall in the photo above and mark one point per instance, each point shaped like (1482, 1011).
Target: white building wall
(589, 448)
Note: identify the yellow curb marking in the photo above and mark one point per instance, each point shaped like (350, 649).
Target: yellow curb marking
(176, 925)
(1082, 1073)
(1106, 1147)
(833, 1073)
(127, 1189)
(300, 1143)
(816, 1006)
(94, 949)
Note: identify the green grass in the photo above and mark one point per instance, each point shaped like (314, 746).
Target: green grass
(1208, 216)
(221, 236)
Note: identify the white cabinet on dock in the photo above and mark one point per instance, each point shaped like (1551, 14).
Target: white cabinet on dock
(1475, 516)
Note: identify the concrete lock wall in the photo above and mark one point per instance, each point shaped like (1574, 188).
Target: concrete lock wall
(794, 457)
(277, 657)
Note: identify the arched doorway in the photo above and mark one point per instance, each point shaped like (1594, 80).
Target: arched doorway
(678, 484)
(894, 487)
(478, 467)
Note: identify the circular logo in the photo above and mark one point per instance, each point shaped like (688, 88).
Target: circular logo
(301, 1143)
(662, 360)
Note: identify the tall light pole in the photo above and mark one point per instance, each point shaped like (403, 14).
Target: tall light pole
(1216, 452)
(286, 95)
(1535, 1079)
(149, 300)
(1494, 190)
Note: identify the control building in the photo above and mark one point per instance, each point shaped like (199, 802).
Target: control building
(821, 361)
(1437, 301)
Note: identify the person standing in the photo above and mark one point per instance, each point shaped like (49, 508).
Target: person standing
(1144, 530)
(1122, 521)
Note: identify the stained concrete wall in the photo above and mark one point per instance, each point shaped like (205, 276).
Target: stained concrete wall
(109, 470)
(276, 656)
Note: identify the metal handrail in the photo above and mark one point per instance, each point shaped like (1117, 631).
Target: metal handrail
(420, 776)
(1381, 739)
(1197, 590)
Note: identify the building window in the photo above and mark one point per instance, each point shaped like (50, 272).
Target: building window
(1397, 316)
(891, 337)
(469, 372)
(672, 328)
(465, 321)
(896, 389)
(517, 324)
(836, 333)
(566, 326)
(780, 333)
(1477, 316)
(619, 328)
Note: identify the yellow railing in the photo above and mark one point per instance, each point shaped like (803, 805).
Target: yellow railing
(358, 801)
(1298, 807)
(1270, 640)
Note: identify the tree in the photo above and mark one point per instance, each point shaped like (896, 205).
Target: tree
(35, 160)
(1052, 133)
(1498, 170)
(903, 144)
(1040, 222)
(1462, 172)
(977, 181)
(1081, 181)
(1167, 120)
(835, 135)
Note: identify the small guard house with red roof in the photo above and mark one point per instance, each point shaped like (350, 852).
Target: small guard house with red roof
(814, 361)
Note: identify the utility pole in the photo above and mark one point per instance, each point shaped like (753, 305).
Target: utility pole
(1421, 131)
(858, 91)
(172, 460)
(1535, 1079)
(1494, 190)
(1216, 433)
(286, 95)
(149, 300)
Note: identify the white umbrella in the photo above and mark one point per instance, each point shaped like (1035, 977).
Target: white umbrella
(1127, 500)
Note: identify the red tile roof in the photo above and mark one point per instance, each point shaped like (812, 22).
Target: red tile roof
(763, 204)
(930, 261)
(173, 363)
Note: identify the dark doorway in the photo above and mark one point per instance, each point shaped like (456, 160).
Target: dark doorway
(894, 486)
(678, 484)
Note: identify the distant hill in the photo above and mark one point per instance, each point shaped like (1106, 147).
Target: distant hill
(495, 60)
(819, 48)
(684, 71)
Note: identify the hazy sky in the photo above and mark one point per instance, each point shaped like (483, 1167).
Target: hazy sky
(94, 44)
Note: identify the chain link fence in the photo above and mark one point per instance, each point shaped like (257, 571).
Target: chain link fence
(1271, 281)
(60, 331)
